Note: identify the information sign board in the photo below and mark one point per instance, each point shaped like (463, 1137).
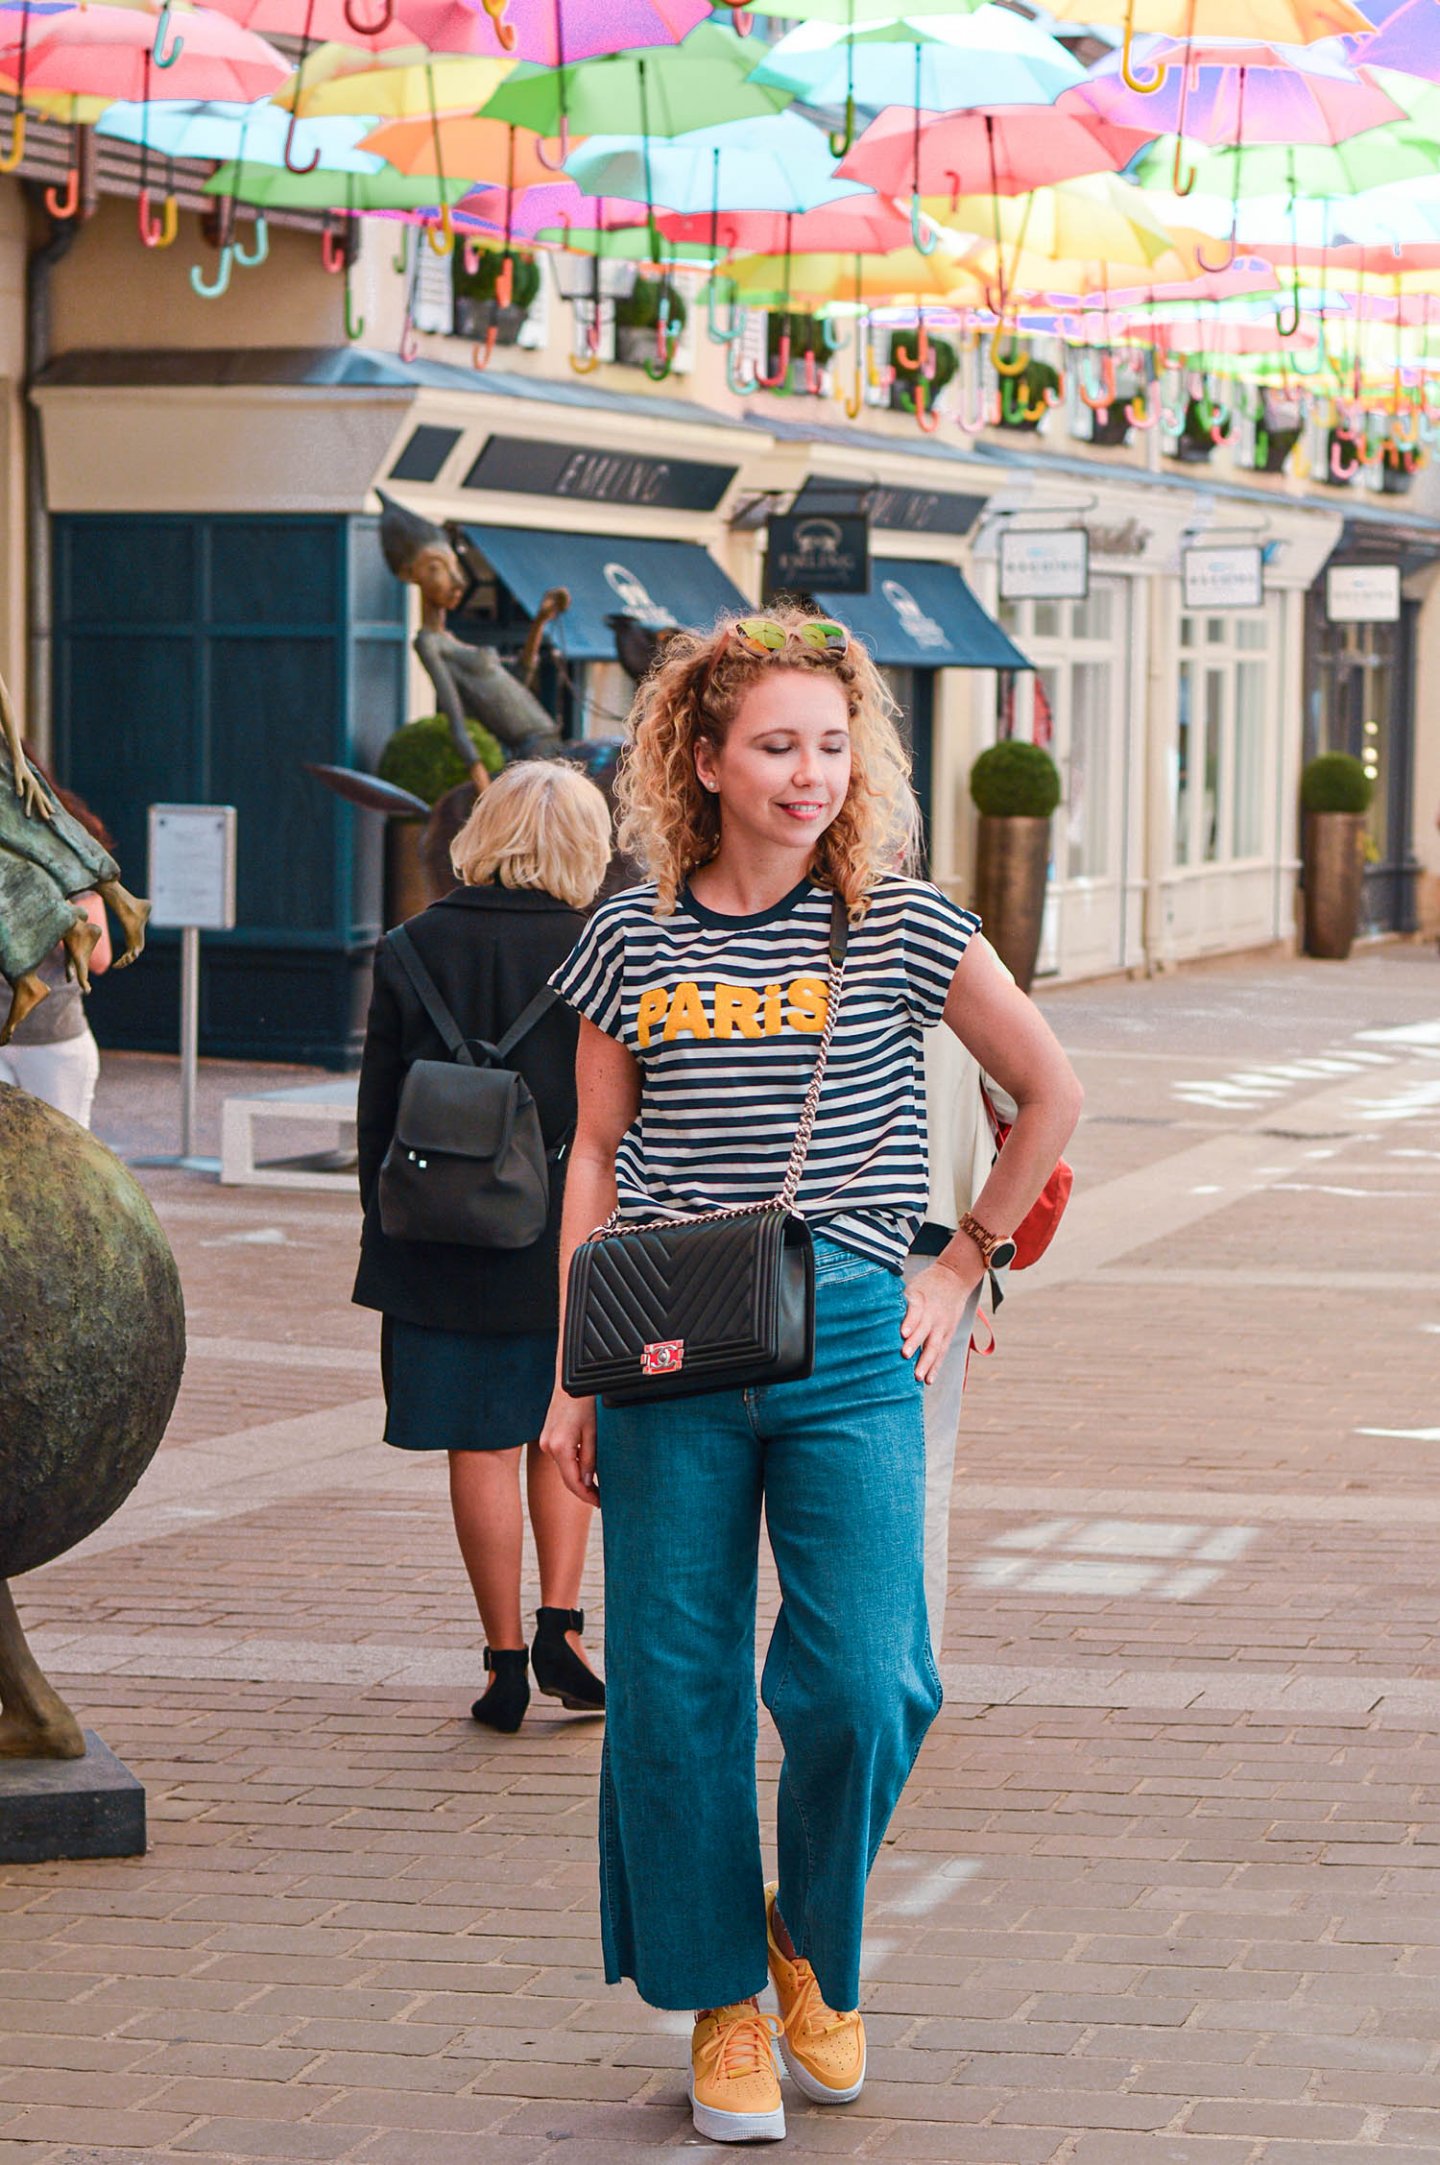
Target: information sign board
(1223, 578)
(1363, 593)
(192, 866)
(1044, 563)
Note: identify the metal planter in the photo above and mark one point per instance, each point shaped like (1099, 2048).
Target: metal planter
(1011, 865)
(1334, 877)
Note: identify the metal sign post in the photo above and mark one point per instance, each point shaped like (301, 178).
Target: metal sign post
(192, 890)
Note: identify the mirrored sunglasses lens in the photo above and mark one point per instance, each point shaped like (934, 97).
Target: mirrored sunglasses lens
(760, 634)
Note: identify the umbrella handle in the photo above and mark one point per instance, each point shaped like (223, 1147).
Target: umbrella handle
(158, 54)
(972, 425)
(717, 331)
(1341, 468)
(333, 251)
(370, 30)
(470, 254)
(738, 385)
(409, 342)
(354, 325)
(1284, 329)
(505, 32)
(1001, 367)
(400, 260)
(922, 361)
(1143, 412)
(667, 343)
(924, 236)
(926, 419)
(586, 364)
(290, 165)
(261, 249)
(504, 279)
(1145, 87)
(1299, 461)
(65, 206)
(158, 232)
(16, 151)
(1226, 261)
(488, 349)
(771, 383)
(1101, 403)
(1181, 182)
(440, 233)
(556, 165)
(212, 289)
(842, 144)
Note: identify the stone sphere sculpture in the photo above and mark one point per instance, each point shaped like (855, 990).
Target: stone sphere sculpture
(92, 1347)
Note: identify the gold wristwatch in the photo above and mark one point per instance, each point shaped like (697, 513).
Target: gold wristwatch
(996, 1250)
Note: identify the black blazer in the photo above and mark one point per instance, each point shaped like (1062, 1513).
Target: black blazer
(489, 950)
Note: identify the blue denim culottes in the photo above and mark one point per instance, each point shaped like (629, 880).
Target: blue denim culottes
(838, 1464)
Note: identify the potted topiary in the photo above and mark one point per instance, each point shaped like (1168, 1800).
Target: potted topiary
(808, 334)
(637, 320)
(1027, 398)
(904, 360)
(1016, 787)
(1206, 425)
(476, 305)
(1335, 794)
(421, 758)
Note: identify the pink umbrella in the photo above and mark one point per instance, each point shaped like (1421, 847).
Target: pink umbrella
(445, 26)
(994, 150)
(858, 224)
(1294, 100)
(555, 32)
(107, 52)
(1228, 285)
(547, 205)
(1409, 42)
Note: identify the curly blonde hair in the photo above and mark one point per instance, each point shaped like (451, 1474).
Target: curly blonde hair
(671, 825)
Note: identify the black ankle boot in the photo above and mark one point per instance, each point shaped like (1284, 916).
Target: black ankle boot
(503, 1706)
(559, 1671)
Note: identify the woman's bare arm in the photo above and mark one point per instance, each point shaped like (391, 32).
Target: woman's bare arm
(607, 1093)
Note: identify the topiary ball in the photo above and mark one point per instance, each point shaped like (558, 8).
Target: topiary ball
(92, 1333)
(1335, 783)
(421, 757)
(1015, 780)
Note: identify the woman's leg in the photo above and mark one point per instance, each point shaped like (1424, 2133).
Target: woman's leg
(485, 1498)
(849, 1677)
(561, 1526)
(681, 1885)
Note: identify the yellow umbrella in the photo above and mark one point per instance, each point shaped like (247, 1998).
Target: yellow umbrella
(1068, 238)
(905, 275)
(406, 82)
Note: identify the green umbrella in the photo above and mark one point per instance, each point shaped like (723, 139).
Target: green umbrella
(273, 187)
(663, 90)
(625, 244)
(1406, 149)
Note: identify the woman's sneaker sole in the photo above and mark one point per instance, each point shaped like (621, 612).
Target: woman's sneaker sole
(738, 2126)
(817, 2092)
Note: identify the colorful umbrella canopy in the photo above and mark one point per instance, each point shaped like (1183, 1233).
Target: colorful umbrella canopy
(432, 23)
(460, 144)
(1281, 22)
(215, 129)
(779, 163)
(106, 52)
(399, 83)
(554, 32)
(993, 57)
(557, 209)
(853, 225)
(665, 91)
(1310, 97)
(850, 11)
(1001, 151)
(1408, 42)
(905, 275)
(275, 187)
(1400, 150)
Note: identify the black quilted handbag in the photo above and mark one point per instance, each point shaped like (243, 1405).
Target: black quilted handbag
(679, 1306)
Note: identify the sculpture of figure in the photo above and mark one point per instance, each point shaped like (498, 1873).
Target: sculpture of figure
(471, 682)
(46, 860)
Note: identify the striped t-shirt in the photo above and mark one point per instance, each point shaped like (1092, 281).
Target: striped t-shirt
(723, 1015)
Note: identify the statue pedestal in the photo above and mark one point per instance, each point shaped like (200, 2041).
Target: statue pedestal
(52, 1808)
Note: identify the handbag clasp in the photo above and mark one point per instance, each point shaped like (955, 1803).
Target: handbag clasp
(662, 1357)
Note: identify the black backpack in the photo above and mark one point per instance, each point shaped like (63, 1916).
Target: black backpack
(467, 1162)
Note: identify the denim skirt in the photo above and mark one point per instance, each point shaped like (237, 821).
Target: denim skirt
(457, 1391)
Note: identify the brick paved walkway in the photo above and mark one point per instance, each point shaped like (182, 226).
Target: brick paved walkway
(1160, 1892)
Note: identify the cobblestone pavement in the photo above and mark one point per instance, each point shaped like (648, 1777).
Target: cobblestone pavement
(1160, 1891)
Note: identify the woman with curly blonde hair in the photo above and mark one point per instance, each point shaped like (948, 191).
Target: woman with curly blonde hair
(764, 777)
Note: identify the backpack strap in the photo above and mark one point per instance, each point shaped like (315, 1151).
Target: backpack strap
(525, 1021)
(428, 994)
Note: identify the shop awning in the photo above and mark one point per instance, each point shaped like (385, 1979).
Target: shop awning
(661, 584)
(923, 616)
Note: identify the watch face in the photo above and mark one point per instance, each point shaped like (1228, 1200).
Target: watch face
(1003, 1254)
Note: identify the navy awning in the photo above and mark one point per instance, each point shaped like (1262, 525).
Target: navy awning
(661, 584)
(923, 616)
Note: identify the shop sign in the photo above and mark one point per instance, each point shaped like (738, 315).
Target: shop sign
(906, 511)
(1044, 563)
(1223, 578)
(635, 598)
(917, 624)
(527, 466)
(816, 553)
(1363, 593)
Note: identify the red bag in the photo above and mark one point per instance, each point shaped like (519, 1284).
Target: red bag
(1036, 1230)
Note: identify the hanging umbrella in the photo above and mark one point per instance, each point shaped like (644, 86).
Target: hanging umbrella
(827, 278)
(440, 25)
(556, 32)
(472, 149)
(1006, 150)
(777, 163)
(1310, 96)
(1409, 41)
(401, 83)
(666, 91)
(1094, 225)
(212, 130)
(853, 225)
(849, 12)
(555, 209)
(1282, 22)
(1400, 150)
(993, 57)
(275, 187)
(106, 52)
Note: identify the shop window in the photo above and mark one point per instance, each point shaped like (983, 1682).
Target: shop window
(1221, 794)
(1073, 704)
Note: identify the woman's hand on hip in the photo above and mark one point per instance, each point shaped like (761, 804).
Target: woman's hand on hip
(569, 1438)
(934, 1305)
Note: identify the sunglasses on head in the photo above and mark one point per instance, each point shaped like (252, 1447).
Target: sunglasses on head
(762, 635)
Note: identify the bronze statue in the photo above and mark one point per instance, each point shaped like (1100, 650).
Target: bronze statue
(91, 1353)
(46, 859)
(471, 682)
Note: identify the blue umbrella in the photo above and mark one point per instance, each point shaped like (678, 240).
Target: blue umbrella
(943, 63)
(215, 131)
(781, 163)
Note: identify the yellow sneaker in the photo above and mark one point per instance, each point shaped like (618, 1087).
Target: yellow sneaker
(824, 2052)
(734, 2089)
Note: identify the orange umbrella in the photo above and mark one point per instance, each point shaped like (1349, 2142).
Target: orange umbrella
(469, 149)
